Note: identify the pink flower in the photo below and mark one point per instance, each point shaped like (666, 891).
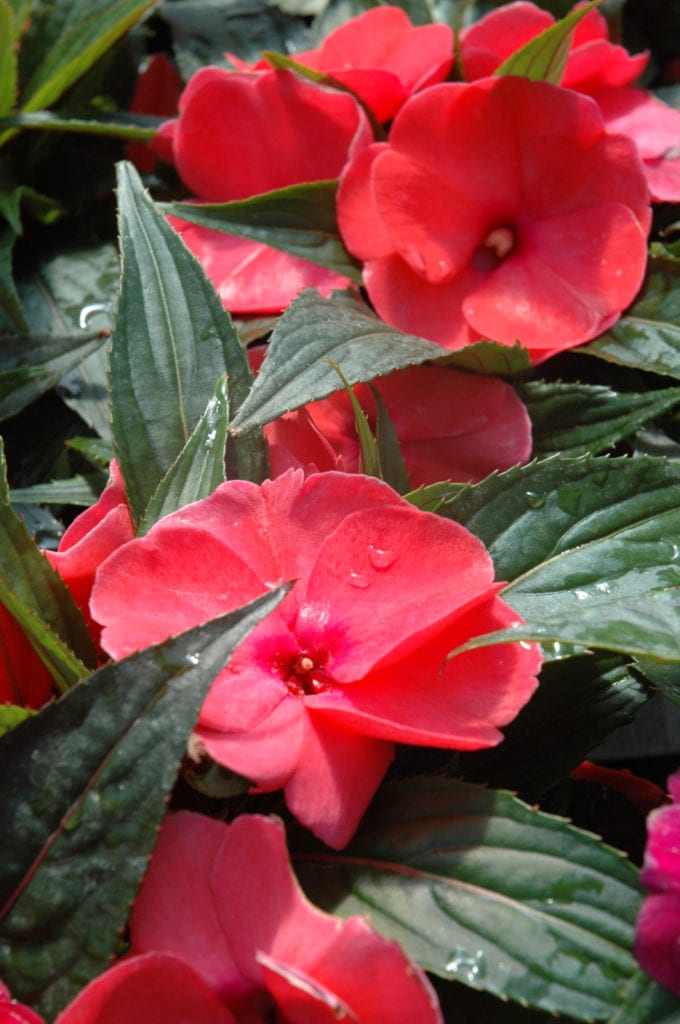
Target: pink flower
(12, 1012)
(352, 661)
(500, 209)
(599, 69)
(221, 932)
(381, 57)
(157, 91)
(657, 939)
(224, 148)
(451, 426)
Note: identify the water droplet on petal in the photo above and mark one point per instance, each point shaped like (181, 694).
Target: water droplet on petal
(381, 558)
(359, 580)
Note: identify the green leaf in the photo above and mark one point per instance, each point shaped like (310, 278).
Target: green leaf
(647, 337)
(83, 793)
(585, 543)
(645, 1002)
(391, 465)
(299, 220)
(94, 449)
(480, 888)
(77, 490)
(579, 702)
(30, 582)
(30, 366)
(131, 127)
(8, 60)
(172, 341)
(65, 40)
(311, 334)
(664, 677)
(490, 357)
(577, 419)
(544, 58)
(368, 450)
(199, 468)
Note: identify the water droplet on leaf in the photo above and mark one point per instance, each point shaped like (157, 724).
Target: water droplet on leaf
(469, 967)
(535, 500)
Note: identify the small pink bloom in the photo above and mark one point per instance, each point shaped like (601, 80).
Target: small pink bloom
(500, 209)
(596, 67)
(354, 658)
(382, 57)
(450, 425)
(12, 1012)
(657, 940)
(224, 149)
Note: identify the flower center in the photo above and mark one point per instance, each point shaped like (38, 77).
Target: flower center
(498, 244)
(305, 677)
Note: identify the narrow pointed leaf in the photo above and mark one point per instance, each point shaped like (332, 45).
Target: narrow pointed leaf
(544, 58)
(85, 788)
(66, 39)
(172, 341)
(645, 1002)
(199, 468)
(312, 334)
(577, 419)
(299, 219)
(11, 715)
(647, 337)
(390, 460)
(31, 581)
(132, 128)
(8, 60)
(482, 889)
(77, 490)
(30, 366)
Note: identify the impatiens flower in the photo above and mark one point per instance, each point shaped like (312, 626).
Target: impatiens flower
(500, 209)
(450, 425)
(657, 940)
(221, 932)
(352, 661)
(382, 57)
(596, 67)
(224, 148)
(157, 91)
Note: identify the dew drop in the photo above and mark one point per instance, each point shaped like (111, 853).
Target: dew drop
(359, 580)
(582, 595)
(193, 659)
(469, 967)
(381, 558)
(535, 500)
(90, 311)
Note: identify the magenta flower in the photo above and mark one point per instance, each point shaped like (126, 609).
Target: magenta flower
(381, 57)
(657, 939)
(221, 932)
(223, 147)
(450, 425)
(500, 209)
(596, 67)
(352, 661)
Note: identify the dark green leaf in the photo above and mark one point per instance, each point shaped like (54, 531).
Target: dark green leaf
(544, 58)
(312, 333)
(647, 337)
(664, 677)
(84, 790)
(490, 357)
(645, 1002)
(392, 468)
(579, 702)
(199, 468)
(368, 450)
(299, 220)
(30, 366)
(577, 419)
(65, 40)
(77, 490)
(172, 341)
(131, 128)
(94, 449)
(480, 888)
(31, 581)
(12, 320)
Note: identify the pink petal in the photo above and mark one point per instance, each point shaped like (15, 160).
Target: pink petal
(151, 989)
(24, 680)
(12, 1012)
(175, 911)
(225, 112)
(299, 998)
(250, 277)
(269, 753)
(489, 41)
(426, 700)
(359, 221)
(657, 939)
(661, 869)
(338, 774)
(365, 572)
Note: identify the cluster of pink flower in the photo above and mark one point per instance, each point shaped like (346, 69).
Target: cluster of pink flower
(497, 207)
